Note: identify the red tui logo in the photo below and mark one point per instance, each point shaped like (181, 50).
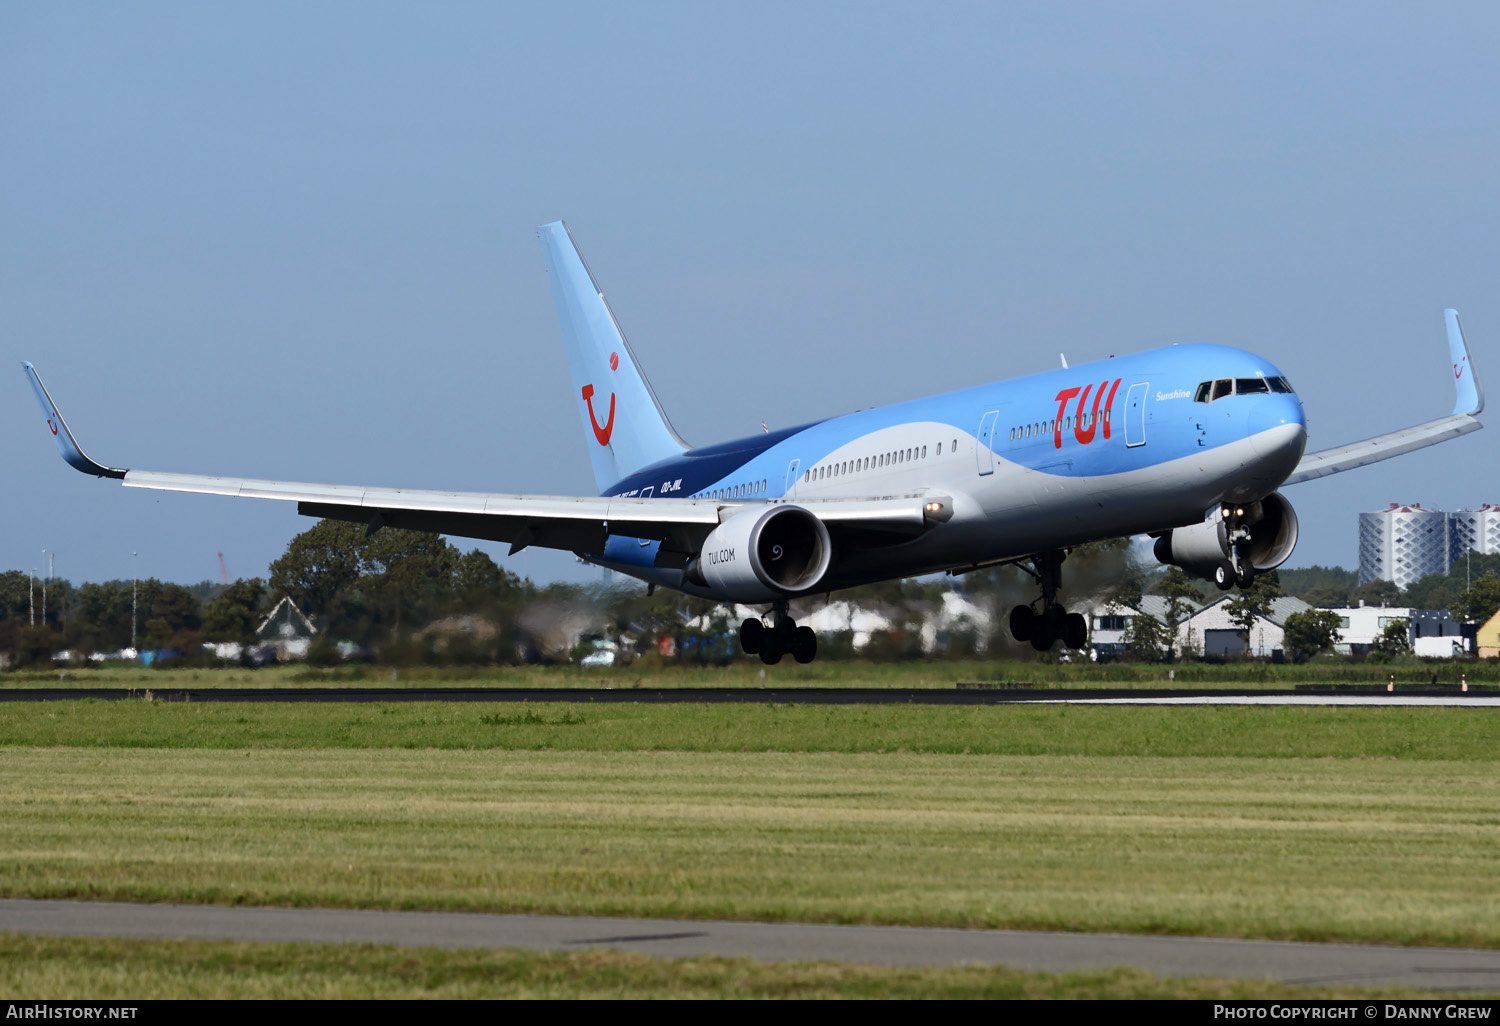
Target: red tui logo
(602, 433)
(1084, 435)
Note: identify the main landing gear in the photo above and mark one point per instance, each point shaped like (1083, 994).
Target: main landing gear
(1051, 623)
(783, 636)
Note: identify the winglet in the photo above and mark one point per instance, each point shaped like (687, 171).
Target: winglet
(1470, 398)
(66, 443)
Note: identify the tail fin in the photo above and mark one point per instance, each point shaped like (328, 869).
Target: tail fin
(623, 423)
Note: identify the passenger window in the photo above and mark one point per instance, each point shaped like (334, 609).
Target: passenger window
(1222, 387)
(939, 449)
(1250, 386)
(924, 452)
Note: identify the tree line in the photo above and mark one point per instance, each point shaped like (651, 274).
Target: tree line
(410, 596)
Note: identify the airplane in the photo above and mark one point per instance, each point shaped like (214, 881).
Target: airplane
(1187, 443)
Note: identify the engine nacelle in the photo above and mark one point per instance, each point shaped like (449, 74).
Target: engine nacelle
(760, 555)
(1271, 524)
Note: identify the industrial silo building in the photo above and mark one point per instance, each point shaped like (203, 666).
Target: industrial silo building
(1477, 529)
(1403, 544)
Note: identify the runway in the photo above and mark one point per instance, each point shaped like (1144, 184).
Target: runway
(1406, 695)
(1448, 969)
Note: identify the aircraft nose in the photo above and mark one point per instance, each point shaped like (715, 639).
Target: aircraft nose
(1278, 430)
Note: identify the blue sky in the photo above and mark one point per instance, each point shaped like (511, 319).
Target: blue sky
(297, 240)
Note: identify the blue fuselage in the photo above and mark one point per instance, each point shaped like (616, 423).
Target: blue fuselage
(1121, 446)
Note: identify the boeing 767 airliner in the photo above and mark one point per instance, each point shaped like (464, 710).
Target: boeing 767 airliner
(1187, 443)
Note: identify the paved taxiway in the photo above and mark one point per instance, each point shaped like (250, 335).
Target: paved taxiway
(1448, 969)
(1372, 696)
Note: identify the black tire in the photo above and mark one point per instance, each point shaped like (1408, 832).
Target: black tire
(770, 652)
(1022, 623)
(1075, 631)
(1042, 641)
(1245, 579)
(805, 645)
(1224, 576)
(752, 633)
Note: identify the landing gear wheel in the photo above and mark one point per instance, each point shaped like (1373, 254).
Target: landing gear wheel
(1075, 631)
(1224, 576)
(1022, 623)
(1044, 628)
(752, 635)
(805, 645)
(770, 648)
(1246, 578)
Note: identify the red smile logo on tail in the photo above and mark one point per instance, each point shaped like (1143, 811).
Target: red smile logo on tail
(602, 433)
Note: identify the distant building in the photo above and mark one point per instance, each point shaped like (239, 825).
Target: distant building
(1487, 641)
(1428, 631)
(1109, 622)
(1476, 529)
(1211, 631)
(287, 630)
(1403, 544)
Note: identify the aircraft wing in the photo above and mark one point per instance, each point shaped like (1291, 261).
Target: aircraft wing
(578, 524)
(1467, 405)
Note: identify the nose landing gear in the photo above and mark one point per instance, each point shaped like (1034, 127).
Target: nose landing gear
(1237, 570)
(783, 636)
(1052, 623)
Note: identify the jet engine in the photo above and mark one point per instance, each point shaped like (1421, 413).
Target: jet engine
(763, 554)
(1234, 541)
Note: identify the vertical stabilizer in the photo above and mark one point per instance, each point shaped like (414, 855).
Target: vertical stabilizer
(624, 425)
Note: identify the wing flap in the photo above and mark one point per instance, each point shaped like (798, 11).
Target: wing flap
(575, 523)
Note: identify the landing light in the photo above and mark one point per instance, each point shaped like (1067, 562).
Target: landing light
(934, 507)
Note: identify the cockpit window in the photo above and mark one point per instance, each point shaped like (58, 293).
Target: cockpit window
(1209, 391)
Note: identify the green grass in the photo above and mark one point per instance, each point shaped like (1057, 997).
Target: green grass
(1405, 732)
(1312, 849)
(750, 673)
(41, 968)
(1354, 824)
